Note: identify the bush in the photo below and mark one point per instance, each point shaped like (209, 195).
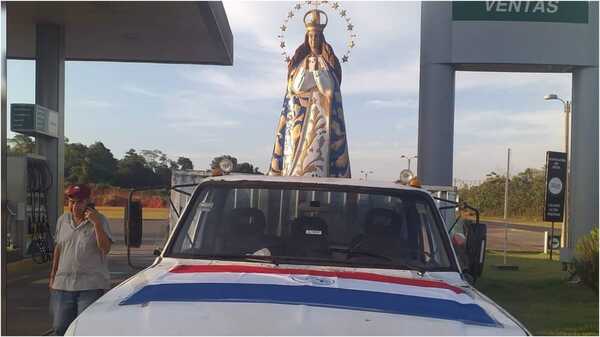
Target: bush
(586, 260)
(115, 200)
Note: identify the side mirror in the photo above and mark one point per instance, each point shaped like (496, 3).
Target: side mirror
(133, 224)
(476, 234)
(157, 251)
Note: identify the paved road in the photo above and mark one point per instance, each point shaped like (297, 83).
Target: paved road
(27, 285)
(520, 237)
(529, 228)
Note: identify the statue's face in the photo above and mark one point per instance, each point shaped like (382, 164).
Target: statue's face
(314, 42)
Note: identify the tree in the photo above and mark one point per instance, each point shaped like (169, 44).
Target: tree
(246, 168)
(526, 194)
(75, 164)
(155, 158)
(101, 164)
(185, 163)
(160, 164)
(20, 144)
(133, 171)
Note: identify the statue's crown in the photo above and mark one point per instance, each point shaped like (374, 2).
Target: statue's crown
(315, 21)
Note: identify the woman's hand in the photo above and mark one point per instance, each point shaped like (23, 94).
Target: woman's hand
(92, 215)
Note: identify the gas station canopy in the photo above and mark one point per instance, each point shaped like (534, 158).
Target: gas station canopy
(161, 32)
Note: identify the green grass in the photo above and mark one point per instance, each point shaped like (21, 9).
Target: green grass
(539, 296)
(147, 213)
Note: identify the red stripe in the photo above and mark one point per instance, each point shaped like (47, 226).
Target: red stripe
(341, 274)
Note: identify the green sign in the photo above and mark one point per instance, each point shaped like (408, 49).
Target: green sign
(32, 119)
(22, 117)
(537, 11)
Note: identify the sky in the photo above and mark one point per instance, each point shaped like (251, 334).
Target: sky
(202, 111)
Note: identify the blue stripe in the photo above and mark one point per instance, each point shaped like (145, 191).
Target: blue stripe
(314, 296)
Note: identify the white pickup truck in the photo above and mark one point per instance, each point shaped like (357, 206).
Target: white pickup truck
(258, 255)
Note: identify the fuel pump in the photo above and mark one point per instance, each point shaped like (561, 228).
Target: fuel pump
(39, 181)
(29, 182)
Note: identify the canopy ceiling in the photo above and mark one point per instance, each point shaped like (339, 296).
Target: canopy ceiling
(162, 32)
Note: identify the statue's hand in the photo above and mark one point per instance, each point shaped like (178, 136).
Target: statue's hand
(322, 63)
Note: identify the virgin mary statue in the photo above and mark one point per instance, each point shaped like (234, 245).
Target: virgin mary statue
(311, 134)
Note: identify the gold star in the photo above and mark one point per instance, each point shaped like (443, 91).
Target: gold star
(343, 12)
(335, 5)
(350, 26)
(345, 58)
(283, 28)
(290, 14)
(282, 44)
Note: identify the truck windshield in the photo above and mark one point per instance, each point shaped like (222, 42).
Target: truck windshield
(340, 226)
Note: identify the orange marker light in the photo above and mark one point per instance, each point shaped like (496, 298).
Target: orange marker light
(415, 182)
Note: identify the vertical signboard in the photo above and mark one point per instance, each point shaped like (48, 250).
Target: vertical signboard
(556, 182)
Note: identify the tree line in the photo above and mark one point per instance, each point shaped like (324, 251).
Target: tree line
(96, 164)
(525, 196)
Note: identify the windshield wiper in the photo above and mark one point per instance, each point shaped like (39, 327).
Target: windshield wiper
(409, 266)
(239, 257)
(404, 266)
(352, 252)
(278, 259)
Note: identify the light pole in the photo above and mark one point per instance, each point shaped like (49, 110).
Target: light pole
(366, 173)
(506, 182)
(567, 110)
(408, 158)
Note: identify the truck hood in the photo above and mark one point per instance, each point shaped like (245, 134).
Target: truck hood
(220, 298)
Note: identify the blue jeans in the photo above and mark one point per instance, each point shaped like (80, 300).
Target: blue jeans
(66, 305)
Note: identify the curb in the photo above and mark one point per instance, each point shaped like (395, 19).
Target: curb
(27, 263)
(24, 268)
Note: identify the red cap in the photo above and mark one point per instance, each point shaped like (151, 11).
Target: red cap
(79, 192)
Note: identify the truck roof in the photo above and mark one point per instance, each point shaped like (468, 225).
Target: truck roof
(313, 180)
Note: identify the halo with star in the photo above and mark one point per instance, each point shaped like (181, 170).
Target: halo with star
(336, 7)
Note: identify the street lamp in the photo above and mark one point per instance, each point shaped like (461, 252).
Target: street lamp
(408, 158)
(567, 109)
(366, 173)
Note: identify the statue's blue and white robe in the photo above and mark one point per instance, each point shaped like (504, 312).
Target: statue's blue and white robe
(310, 139)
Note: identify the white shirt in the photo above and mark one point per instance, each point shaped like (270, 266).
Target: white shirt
(81, 265)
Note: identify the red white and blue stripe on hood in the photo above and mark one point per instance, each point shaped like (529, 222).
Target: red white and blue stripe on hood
(322, 288)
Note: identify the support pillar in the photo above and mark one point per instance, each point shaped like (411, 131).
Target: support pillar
(583, 177)
(50, 92)
(4, 224)
(436, 124)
